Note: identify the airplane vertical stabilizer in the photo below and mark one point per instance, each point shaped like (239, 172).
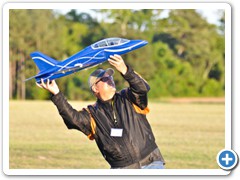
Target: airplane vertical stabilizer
(42, 61)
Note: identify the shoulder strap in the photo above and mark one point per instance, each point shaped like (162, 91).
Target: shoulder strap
(92, 123)
(145, 111)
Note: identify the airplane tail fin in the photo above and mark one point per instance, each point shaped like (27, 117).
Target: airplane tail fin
(42, 61)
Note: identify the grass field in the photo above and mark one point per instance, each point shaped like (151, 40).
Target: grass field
(189, 135)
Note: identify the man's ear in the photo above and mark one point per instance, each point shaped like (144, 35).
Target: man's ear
(94, 89)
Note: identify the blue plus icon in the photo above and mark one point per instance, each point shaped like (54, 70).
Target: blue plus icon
(227, 159)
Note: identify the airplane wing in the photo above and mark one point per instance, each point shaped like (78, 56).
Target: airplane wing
(30, 78)
(74, 69)
(77, 68)
(79, 62)
(36, 76)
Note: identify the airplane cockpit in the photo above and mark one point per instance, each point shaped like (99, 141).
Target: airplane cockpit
(109, 42)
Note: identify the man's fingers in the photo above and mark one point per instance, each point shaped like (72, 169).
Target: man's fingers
(42, 81)
(43, 84)
(53, 82)
(116, 60)
(39, 85)
(116, 57)
(113, 62)
(51, 86)
(48, 83)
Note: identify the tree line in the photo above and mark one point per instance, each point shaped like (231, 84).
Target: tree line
(184, 55)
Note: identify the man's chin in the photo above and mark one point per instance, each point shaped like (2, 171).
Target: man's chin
(111, 86)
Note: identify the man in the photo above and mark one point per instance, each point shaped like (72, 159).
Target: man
(117, 121)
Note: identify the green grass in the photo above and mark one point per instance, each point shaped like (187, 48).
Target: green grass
(189, 136)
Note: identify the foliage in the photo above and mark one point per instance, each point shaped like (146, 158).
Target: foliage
(184, 57)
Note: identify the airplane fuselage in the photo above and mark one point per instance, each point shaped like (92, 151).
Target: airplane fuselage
(92, 55)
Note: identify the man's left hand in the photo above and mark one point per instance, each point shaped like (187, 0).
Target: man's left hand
(118, 63)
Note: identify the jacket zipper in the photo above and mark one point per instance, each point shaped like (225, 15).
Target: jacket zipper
(114, 114)
(122, 139)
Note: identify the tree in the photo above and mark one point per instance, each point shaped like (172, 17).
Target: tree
(184, 56)
(30, 30)
(194, 40)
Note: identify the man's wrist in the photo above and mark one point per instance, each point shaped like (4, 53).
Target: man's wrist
(55, 92)
(124, 71)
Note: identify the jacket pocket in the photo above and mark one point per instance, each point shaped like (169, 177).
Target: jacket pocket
(113, 152)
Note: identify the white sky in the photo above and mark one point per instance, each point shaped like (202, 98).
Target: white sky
(210, 14)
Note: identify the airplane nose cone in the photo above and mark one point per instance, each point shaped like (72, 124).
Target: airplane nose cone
(144, 42)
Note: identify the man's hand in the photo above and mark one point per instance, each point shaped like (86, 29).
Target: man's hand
(52, 87)
(118, 63)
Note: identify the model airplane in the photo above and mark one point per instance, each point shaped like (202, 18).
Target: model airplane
(91, 56)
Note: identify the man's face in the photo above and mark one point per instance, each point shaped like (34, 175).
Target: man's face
(105, 86)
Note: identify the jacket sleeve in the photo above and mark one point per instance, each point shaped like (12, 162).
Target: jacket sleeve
(72, 118)
(138, 88)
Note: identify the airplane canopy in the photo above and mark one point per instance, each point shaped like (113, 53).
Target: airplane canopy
(109, 42)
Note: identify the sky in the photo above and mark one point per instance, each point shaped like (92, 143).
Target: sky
(211, 15)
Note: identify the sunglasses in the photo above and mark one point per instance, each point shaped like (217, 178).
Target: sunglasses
(104, 79)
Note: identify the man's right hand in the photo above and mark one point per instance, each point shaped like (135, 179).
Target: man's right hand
(52, 86)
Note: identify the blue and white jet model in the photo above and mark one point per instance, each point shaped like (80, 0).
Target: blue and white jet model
(92, 55)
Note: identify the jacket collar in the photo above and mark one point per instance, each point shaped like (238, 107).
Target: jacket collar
(106, 102)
